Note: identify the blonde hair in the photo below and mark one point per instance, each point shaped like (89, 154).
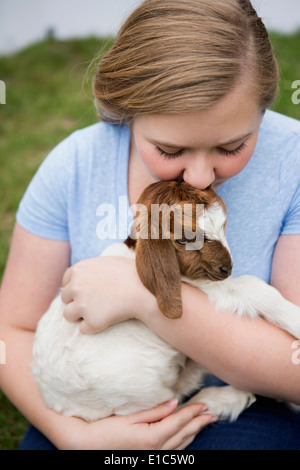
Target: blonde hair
(175, 56)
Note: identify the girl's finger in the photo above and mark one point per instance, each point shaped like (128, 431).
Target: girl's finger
(154, 414)
(71, 312)
(67, 276)
(188, 433)
(86, 328)
(174, 424)
(66, 294)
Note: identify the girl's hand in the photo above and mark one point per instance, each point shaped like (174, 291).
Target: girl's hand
(155, 429)
(100, 292)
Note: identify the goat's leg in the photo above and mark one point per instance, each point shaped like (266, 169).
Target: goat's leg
(227, 403)
(270, 304)
(250, 296)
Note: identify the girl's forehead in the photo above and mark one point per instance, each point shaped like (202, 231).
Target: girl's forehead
(232, 119)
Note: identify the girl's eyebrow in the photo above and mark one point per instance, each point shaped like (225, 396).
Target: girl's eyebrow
(235, 141)
(165, 144)
(172, 146)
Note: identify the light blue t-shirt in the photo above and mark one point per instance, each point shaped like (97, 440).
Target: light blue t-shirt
(80, 194)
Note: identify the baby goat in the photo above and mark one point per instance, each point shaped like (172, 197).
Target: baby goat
(127, 367)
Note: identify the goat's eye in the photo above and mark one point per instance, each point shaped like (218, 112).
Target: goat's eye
(182, 242)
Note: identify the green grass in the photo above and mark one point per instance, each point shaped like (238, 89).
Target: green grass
(48, 97)
(287, 51)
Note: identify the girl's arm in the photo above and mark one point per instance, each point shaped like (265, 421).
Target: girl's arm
(249, 354)
(31, 280)
(253, 355)
(32, 277)
(286, 267)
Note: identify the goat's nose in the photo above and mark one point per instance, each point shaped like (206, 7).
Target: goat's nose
(226, 270)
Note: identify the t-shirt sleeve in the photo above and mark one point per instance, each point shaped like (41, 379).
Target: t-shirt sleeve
(290, 184)
(43, 209)
(291, 223)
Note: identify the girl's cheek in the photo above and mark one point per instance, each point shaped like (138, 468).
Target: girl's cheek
(160, 168)
(231, 166)
(234, 166)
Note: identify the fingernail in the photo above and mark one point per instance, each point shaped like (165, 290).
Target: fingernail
(214, 419)
(173, 402)
(202, 408)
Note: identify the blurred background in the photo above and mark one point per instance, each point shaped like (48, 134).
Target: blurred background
(45, 52)
(27, 21)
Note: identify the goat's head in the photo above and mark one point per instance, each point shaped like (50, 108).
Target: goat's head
(179, 231)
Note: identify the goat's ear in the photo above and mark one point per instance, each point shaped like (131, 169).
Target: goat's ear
(158, 270)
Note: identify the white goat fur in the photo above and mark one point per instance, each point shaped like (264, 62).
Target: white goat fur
(128, 368)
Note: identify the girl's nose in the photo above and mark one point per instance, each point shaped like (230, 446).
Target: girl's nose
(199, 172)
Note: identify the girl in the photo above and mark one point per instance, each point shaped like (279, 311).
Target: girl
(183, 94)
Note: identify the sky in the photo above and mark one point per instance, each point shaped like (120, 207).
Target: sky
(25, 21)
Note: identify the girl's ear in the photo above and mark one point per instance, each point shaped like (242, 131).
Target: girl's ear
(158, 270)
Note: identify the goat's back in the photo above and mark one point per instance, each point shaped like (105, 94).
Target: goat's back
(123, 369)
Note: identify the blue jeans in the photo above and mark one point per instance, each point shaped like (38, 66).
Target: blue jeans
(266, 425)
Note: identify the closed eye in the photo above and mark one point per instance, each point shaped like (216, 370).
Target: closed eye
(182, 242)
(228, 153)
(169, 155)
(234, 152)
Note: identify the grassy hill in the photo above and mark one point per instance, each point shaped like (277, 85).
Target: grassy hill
(49, 96)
